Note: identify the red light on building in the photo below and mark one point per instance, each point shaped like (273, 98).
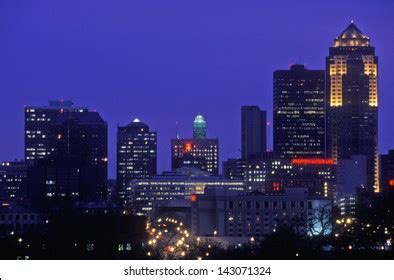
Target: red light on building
(193, 198)
(276, 186)
(391, 183)
(187, 147)
(312, 161)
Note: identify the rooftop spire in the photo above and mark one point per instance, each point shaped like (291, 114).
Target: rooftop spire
(351, 36)
(199, 127)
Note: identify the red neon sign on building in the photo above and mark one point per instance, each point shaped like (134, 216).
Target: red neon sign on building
(187, 147)
(312, 161)
(391, 183)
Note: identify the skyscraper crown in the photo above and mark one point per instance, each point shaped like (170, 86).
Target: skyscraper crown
(199, 127)
(351, 36)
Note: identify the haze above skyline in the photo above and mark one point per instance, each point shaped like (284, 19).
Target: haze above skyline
(166, 61)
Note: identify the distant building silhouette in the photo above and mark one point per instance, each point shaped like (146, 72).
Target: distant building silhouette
(253, 132)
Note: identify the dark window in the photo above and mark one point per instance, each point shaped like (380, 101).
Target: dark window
(283, 205)
(293, 205)
(231, 205)
(265, 204)
(257, 205)
(309, 204)
(248, 205)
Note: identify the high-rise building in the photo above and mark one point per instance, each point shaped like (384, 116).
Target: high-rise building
(136, 153)
(352, 101)
(13, 182)
(77, 165)
(199, 127)
(299, 113)
(199, 152)
(38, 120)
(387, 171)
(253, 132)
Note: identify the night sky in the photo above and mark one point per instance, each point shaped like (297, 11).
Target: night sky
(164, 61)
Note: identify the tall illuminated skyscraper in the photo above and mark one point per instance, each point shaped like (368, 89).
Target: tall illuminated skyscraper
(352, 99)
(299, 113)
(136, 153)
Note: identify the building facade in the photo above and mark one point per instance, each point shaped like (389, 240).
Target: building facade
(233, 168)
(352, 101)
(299, 113)
(136, 153)
(239, 217)
(198, 152)
(253, 132)
(76, 168)
(38, 120)
(387, 171)
(145, 195)
(13, 182)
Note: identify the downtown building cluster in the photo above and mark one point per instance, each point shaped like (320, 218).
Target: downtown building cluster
(325, 150)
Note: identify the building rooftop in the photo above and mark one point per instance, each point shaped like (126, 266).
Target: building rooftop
(351, 36)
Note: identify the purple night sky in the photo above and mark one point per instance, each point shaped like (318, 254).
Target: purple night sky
(165, 61)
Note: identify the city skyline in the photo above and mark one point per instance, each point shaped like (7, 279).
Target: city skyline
(196, 131)
(258, 92)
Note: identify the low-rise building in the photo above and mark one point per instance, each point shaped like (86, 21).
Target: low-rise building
(238, 218)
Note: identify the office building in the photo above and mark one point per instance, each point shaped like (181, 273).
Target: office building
(136, 153)
(145, 195)
(77, 166)
(38, 120)
(199, 152)
(352, 101)
(233, 168)
(13, 182)
(299, 113)
(235, 218)
(253, 132)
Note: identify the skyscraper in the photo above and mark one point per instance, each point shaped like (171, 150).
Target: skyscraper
(136, 153)
(299, 113)
(199, 127)
(77, 165)
(37, 123)
(352, 101)
(253, 131)
(198, 152)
